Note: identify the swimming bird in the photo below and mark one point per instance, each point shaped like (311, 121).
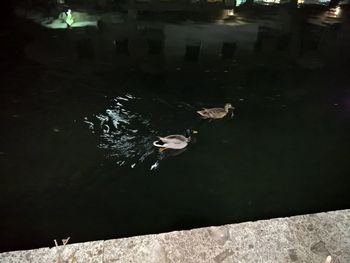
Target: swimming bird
(215, 113)
(176, 141)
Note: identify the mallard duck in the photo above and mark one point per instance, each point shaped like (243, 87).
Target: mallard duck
(215, 113)
(176, 141)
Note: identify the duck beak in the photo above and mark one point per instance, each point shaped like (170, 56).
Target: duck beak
(194, 132)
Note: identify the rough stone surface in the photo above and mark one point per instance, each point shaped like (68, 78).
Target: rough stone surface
(307, 238)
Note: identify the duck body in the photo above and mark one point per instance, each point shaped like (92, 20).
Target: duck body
(215, 113)
(175, 141)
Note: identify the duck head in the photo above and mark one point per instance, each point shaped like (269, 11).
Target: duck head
(189, 132)
(228, 107)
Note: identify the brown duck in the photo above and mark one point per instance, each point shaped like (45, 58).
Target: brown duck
(215, 113)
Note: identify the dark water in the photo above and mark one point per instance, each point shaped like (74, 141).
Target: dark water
(79, 114)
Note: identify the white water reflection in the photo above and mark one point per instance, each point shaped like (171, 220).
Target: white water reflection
(125, 135)
(154, 166)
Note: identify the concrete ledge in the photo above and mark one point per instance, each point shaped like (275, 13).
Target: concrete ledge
(307, 238)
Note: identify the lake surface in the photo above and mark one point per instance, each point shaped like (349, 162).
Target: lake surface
(81, 108)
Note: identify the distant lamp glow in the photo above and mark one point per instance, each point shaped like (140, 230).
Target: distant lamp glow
(272, 1)
(337, 11)
(300, 2)
(231, 12)
(69, 18)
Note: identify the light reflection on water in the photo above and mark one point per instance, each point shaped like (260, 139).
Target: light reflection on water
(126, 136)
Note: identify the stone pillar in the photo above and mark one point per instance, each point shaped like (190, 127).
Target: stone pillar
(193, 51)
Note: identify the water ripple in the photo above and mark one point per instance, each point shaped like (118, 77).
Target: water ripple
(125, 135)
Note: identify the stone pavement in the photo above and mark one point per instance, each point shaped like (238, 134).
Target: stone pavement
(323, 237)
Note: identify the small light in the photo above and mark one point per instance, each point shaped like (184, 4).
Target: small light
(69, 18)
(337, 10)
